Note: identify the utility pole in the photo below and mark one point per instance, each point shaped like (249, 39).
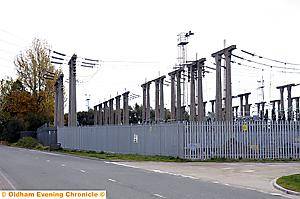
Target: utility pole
(72, 117)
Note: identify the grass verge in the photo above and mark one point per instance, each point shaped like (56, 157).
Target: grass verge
(117, 156)
(291, 182)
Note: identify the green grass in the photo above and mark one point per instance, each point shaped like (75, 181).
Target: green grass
(117, 156)
(291, 182)
(136, 157)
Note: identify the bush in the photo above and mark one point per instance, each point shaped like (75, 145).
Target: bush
(27, 142)
(41, 147)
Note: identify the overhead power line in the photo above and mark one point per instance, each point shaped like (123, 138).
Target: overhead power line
(263, 64)
(269, 59)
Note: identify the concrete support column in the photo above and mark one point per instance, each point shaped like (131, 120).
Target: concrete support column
(290, 104)
(95, 115)
(125, 108)
(212, 105)
(72, 116)
(144, 103)
(118, 110)
(281, 103)
(297, 109)
(61, 102)
(173, 96)
(161, 94)
(157, 100)
(105, 122)
(218, 109)
(100, 115)
(201, 111)
(111, 111)
(228, 100)
(241, 106)
(263, 109)
(148, 102)
(278, 110)
(56, 104)
(178, 108)
(235, 111)
(247, 108)
(204, 109)
(192, 95)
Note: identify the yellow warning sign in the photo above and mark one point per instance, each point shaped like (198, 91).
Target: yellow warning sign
(245, 128)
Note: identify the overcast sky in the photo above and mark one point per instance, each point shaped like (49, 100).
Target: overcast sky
(146, 31)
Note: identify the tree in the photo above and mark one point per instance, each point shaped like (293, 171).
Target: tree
(31, 66)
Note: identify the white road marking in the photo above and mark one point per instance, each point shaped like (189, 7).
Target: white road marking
(112, 180)
(83, 171)
(249, 171)
(48, 160)
(226, 184)
(63, 165)
(121, 164)
(160, 196)
(7, 180)
(226, 168)
(276, 194)
(216, 182)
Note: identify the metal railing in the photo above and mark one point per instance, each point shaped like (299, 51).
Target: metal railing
(240, 140)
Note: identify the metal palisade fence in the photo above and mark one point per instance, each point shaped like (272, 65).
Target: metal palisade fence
(242, 140)
(193, 141)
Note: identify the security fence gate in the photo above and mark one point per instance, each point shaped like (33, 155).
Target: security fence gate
(194, 141)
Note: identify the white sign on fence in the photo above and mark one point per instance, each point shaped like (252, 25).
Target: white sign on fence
(135, 138)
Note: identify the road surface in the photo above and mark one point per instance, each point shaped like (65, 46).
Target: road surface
(23, 169)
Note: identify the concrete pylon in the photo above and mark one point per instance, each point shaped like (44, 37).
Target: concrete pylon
(157, 115)
(72, 116)
(106, 115)
(125, 108)
(228, 98)
(263, 109)
(204, 108)
(118, 110)
(201, 109)
(247, 108)
(100, 114)
(297, 109)
(192, 93)
(95, 115)
(212, 105)
(148, 102)
(273, 115)
(61, 102)
(178, 96)
(56, 104)
(281, 103)
(218, 106)
(290, 104)
(111, 111)
(278, 109)
(241, 105)
(173, 96)
(161, 95)
(144, 103)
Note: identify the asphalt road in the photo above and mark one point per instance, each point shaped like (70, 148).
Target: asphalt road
(24, 169)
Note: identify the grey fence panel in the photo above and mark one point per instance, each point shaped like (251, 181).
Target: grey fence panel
(158, 139)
